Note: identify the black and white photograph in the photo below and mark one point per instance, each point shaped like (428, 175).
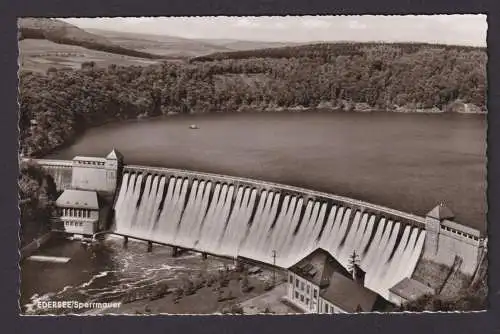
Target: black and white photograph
(240, 165)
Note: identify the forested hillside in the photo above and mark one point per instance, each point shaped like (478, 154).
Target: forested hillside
(400, 77)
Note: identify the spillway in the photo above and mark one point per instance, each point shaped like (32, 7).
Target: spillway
(252, 219)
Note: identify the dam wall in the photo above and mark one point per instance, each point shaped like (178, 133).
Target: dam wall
(86, 173)
(60, 170)
(233, 217)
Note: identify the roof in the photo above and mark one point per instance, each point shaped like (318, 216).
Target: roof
(82, 158)
(82, 199)
(349, 295)
(114, 154)
(441, 212)
(411, 289)
(318, 267)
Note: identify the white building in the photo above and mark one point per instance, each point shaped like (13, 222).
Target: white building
(84, 208)
(78, 211)
(94, 173)
(319, 284)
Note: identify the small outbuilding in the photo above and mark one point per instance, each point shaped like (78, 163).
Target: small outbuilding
(407, 290)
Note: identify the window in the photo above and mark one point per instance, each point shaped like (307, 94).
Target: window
(297, 282)
(307, 301)
(307, 289)
(302, 286)
(315, 293)
(296, 295)
(302, 298)
(291, 279)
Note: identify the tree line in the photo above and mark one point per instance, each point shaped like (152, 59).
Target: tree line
(56, 107)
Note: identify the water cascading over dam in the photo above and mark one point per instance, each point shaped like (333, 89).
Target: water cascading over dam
(239, 217)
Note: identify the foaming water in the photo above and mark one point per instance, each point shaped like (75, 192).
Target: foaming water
(105, 273)
(235, 220)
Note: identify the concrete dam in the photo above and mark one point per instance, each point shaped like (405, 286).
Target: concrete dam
(238, 217)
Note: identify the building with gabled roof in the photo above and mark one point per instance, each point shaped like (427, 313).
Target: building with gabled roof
(320, 284)
(345, 295)
(318, 267)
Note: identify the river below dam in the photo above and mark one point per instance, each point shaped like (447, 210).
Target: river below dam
(408, 162)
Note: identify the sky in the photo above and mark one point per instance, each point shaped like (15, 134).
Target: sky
(446, 29)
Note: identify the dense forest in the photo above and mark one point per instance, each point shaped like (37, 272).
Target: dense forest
(37, 193)
(327, 51)
(389, 77)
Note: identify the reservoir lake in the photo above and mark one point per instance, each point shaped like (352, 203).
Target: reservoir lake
(409, 162)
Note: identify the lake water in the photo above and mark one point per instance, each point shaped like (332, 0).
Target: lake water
(409, 162)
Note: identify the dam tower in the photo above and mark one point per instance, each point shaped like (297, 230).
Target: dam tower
(433, 221)
(113, 166)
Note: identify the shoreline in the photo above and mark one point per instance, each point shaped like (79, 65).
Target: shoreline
(321, 108)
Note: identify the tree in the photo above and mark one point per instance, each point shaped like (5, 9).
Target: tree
(245, 285)
(88, 65)
(51, 70)
(353, 262)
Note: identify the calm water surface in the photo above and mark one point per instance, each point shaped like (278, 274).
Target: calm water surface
(408, 162)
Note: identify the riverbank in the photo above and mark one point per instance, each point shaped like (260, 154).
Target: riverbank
(143, 282)
(207, 292)
(35, 245)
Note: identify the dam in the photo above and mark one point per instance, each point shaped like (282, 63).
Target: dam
(238, 217)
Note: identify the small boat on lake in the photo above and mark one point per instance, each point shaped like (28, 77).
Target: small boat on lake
(193, 127)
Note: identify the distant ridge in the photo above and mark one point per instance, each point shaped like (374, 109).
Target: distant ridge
(64, 33)
(325, 50)
(181, 46)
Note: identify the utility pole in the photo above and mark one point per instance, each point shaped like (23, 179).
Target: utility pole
(274, 267)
